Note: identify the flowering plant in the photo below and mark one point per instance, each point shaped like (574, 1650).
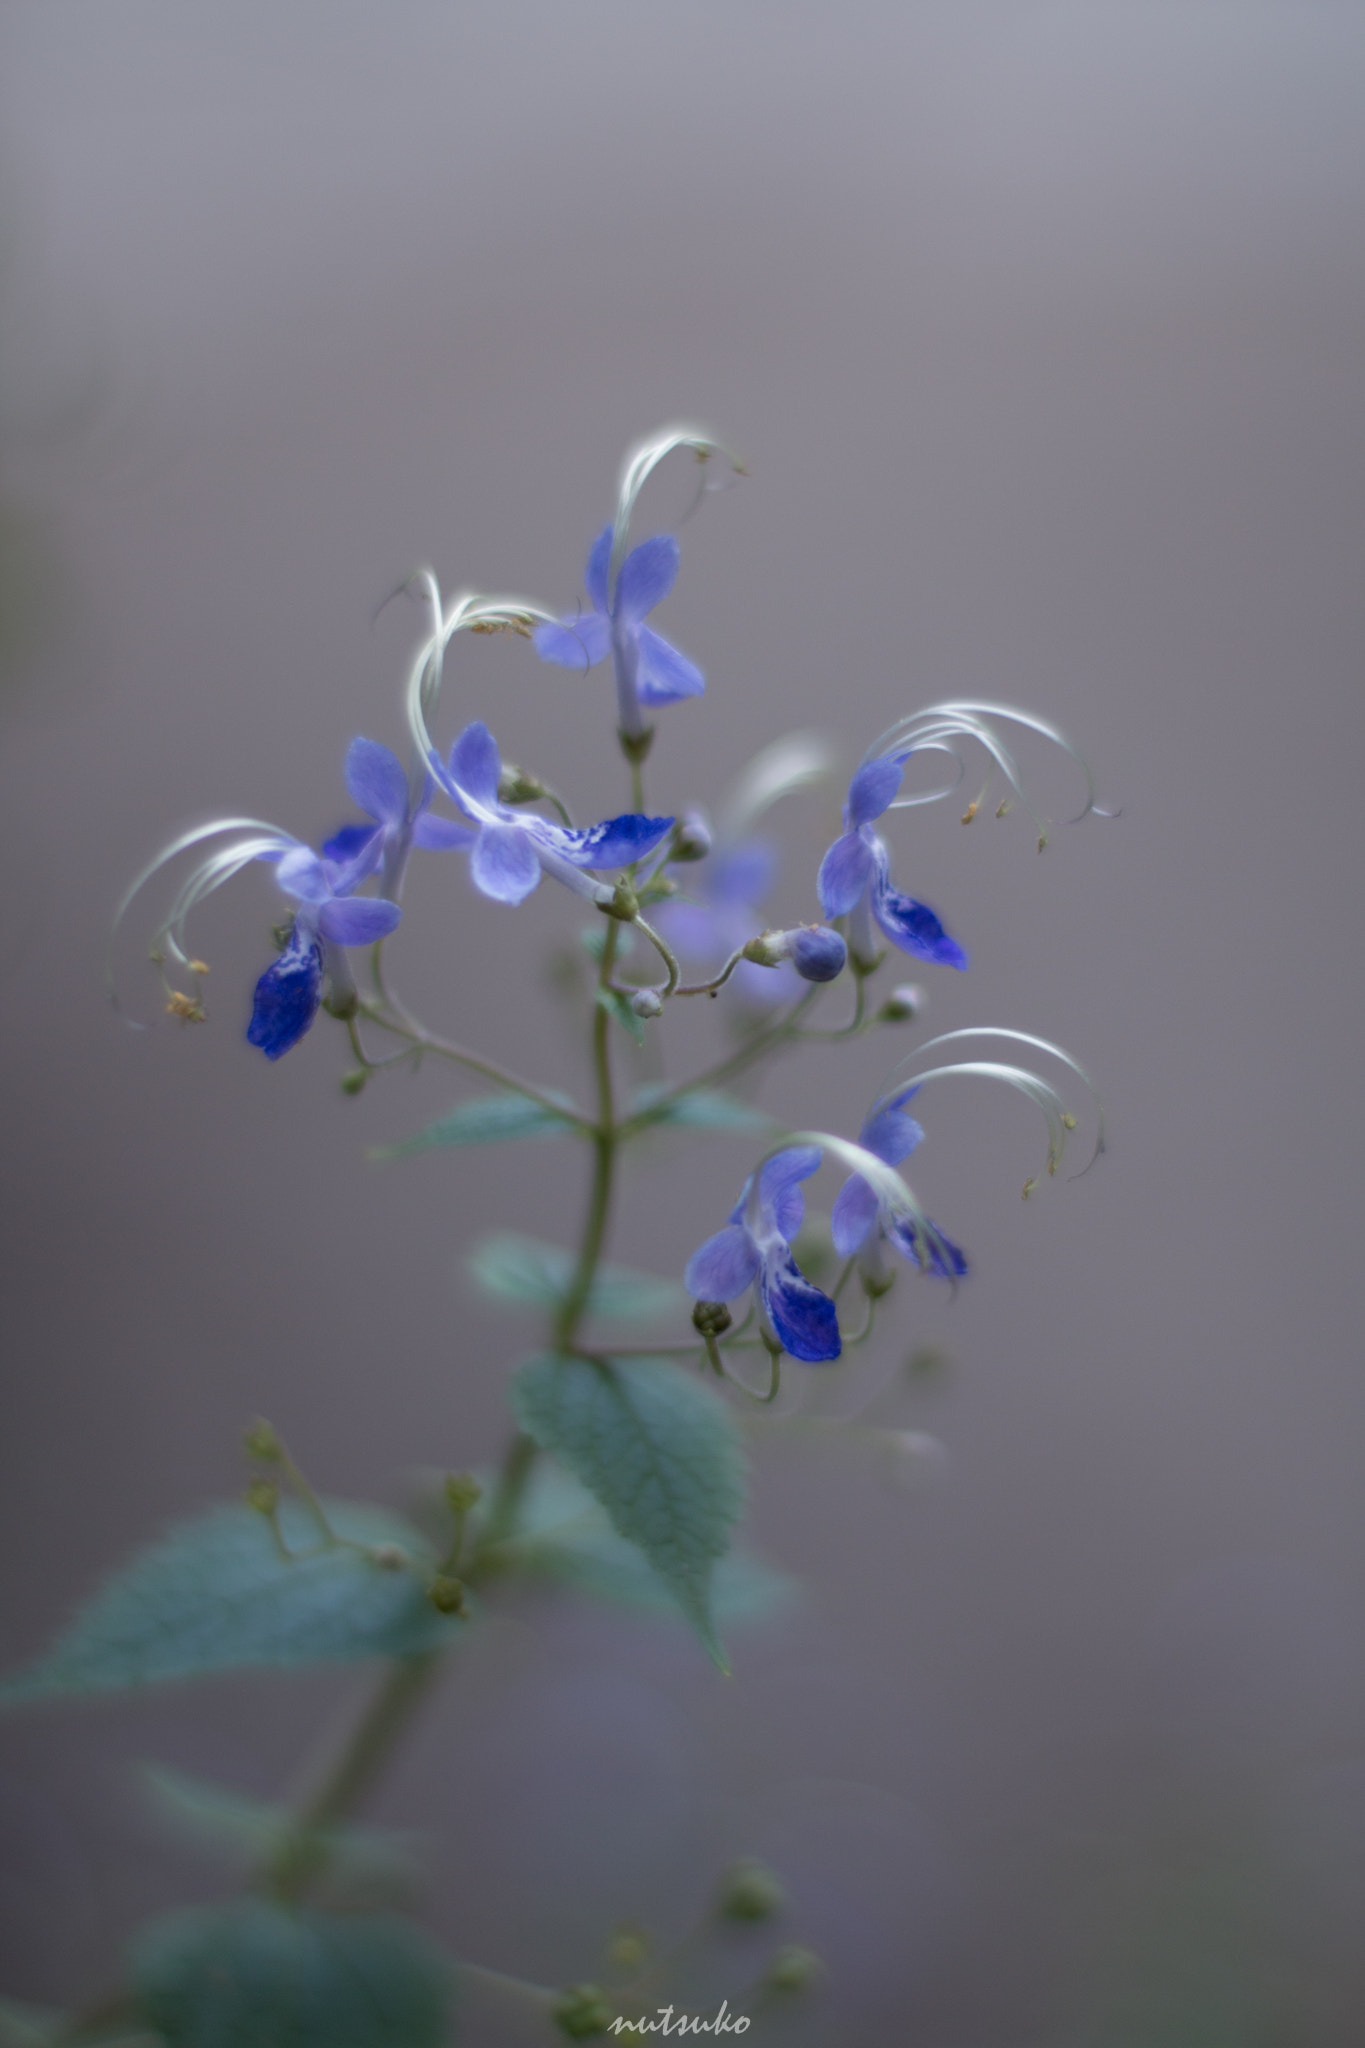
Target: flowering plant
(642, 1444)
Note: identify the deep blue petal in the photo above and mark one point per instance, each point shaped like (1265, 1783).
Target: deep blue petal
(912, 926)
(615, 843)
(806, 1321)
(941, 1255)
(286, 999)
(348, 842)
(599, 561)
(872, 789)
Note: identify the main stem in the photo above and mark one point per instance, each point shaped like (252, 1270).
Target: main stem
(604, 1158)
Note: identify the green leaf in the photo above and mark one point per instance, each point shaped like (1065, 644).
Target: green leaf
(484, 1120)
(27, 2026)
(216, 1593)
(256, 1975)
(618, 1006)
(250, 1831)
(702, 1109)
(515, 1268)
(660, 1453)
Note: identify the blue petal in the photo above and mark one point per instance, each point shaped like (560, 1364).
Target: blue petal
(843, 874)
(891, 1134)
(286, 999)
(579, 642)
(301, 873)
(647, 575)
(615, 843)
(818, 954)
(504, 863)
(723, 1267)
(742, 874)
(377, 782)
(475, 764)
(910, 925)
(347, 842)
(439, 834)
(779, 1198)
(599, 561)
(853, 1215)
(664, 676)
(872, 789)
(806, 1321)
(357, 920)
(941, 1255)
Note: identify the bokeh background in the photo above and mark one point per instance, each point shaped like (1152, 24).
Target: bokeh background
(1040, 329)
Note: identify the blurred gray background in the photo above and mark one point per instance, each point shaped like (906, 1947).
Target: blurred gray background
(1040, 329)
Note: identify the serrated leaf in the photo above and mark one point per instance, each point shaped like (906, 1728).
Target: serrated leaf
(660, 1453)
(618, 1006)
(216, 1594)
(256, 1831)
(702, 1109)
(484, 1120)
(515, 1268)
(257, 1975)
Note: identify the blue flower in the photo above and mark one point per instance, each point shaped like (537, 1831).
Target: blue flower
(855, 875)
(648, 670)
(329, 917)
(754, 1250)
(890, 1135)
(510, 849)
(378, 784)
(730, 888)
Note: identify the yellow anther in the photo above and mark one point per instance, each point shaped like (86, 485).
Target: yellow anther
(1068, 1120)
(1042, 841)
(199, 967)
(188, 1009)
(971, 810)
(1003, 808)
(1029, 1187)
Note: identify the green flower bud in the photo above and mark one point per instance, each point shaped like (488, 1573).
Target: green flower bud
(354, 1081)
(261, 1442)
(903, 1005)
(263, 1495)
(463, 1492)
(581, 2011)
(446, 1594)
(793, 1969)
(711, 1318)
(749, 1891)
(647, 1002)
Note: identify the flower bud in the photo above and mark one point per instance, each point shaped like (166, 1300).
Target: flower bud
(749, 1891)
(463, 1492)
(628, 1948)
(769, 949)
(261, 1442)
(647, 1002)
(581, 2011)
(446, 1594)
(793, 1969)
(354, 1081)
(818, 954)
(621, 902)
(516, 786)
(691, 837)
(711, 1318)
(263, 1495)
(903, 1004)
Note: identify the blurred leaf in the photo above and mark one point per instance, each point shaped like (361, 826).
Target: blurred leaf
(215, 1594)
(27, 2026)
(660, 1453)
(252, 1831)
(566, 1536)
(618, 1006)
(516, 1268)
(256, 1975)
(484, 1120)
(703, 1109)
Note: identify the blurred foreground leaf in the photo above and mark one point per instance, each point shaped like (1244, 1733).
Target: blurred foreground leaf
(246, 1831)
(702, 1109)
(217, 1593)
(256, 1975)
(484, 1120)
(659, 1452)
(515, 1268)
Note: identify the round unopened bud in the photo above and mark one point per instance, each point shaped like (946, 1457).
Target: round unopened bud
(793, 1969)
(341, 1002)
(582, 2010)
(817, 953)
(446, 1594)
(647, 1002)
(749, 1891)
(518, 786)
(878, 1279)
(354, 1081)
(903, 1004)
(263, 1495)
(390, 1557)
(691, 837)
(262, 1442)
(711, 1318)
(463, 1492)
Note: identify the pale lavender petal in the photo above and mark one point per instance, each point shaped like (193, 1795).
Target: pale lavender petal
(843, 874)
(853, 1215)
(806, 1321)
(891, 1134)
(664, 676)
(647, 575)
(579, 642)
(504, 863)
(599, 561)
(475, 764)
(872, 789)
(779, 1197)
(723, 1267)
(357, 920)
(377, 782)
(300, 873)
(438, 834)
(741, 874)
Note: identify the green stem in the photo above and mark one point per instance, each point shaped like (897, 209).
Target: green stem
(605, 1136)
(763, 1040)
